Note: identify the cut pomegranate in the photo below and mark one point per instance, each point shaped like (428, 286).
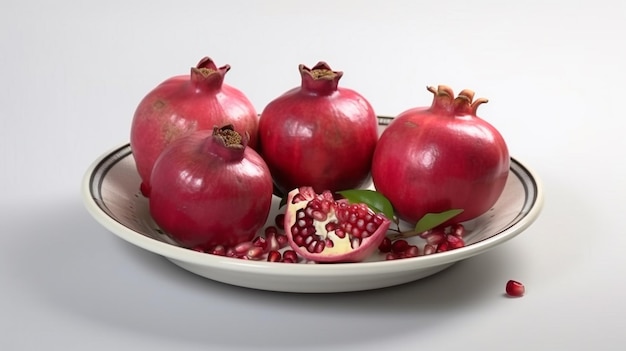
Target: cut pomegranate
(515, 288)
(321, 229)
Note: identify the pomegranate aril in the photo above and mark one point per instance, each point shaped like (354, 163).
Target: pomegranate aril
(243, 247)
(279, 220)
(385, 245)
(261, 242)
(442, 247)
(272, 242)
(454, 242)
(412, 251)
(515, 288)
(254, 253)
(458, 230)
(391, 256)
(218, 250)
(282, 240)
(271, 230)
(274, 256)
(429, 249)
(290, 255)
(435, 237)
(399, 246)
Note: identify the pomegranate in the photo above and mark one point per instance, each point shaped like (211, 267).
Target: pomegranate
(209, 189)
(442, 157)
(322, 229)
(318, 134)
(183, 104)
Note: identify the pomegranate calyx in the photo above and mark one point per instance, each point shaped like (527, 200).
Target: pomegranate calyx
(227, 143)
(320, 79)
(206, 75)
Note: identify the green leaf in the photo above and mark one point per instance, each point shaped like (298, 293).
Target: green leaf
(432, 220)
(373, 199)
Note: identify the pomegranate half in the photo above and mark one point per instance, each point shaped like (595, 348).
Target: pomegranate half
(442, 157)
(321, 229)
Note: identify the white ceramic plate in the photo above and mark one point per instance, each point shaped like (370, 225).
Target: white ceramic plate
(111, 194)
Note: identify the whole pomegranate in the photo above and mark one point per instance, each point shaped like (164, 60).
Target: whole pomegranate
(321, 229)
(209, 189)
(183, 104)
(442, 157)
(318, 134)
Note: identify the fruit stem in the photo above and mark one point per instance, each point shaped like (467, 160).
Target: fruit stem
(399, 234)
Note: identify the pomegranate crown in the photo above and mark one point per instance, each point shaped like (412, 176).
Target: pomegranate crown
(207, 75)
(462, 104)
(319, 80)
(227, 143)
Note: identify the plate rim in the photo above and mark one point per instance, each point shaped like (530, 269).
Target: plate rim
(173, 252)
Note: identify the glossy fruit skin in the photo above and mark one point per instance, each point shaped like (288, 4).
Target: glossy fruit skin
(184, 104)
(514, 288)
(206, 194)
(442, 157)
(327, 229)
(318, 134)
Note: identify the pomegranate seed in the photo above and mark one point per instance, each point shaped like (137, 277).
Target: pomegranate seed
(280, 221)
(271, 230)
(515, 288)
(391, 256)
(243, 247)
(218, 250)
(282, 240)
(399, 246)
(274, 256)
(412, 251)
(429, 249)
(254, 253)
(385, 245)
(260, 241)
(454, 242)
(442, 247)
(290, 255)
(230, 252)
(435, 237)
(458, 230)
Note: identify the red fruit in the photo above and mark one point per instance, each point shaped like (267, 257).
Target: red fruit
(321, 229)
(318, 134)
(515, 288)
(184, 104)
(442, 157)
(209, 189)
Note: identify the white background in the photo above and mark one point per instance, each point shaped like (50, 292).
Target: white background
(72, 73)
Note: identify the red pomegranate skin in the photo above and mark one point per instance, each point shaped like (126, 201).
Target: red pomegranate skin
(184, 104)
(442, 157)
(206, 194)
(318, 134)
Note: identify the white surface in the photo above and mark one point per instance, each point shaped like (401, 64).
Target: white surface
(71, 74)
